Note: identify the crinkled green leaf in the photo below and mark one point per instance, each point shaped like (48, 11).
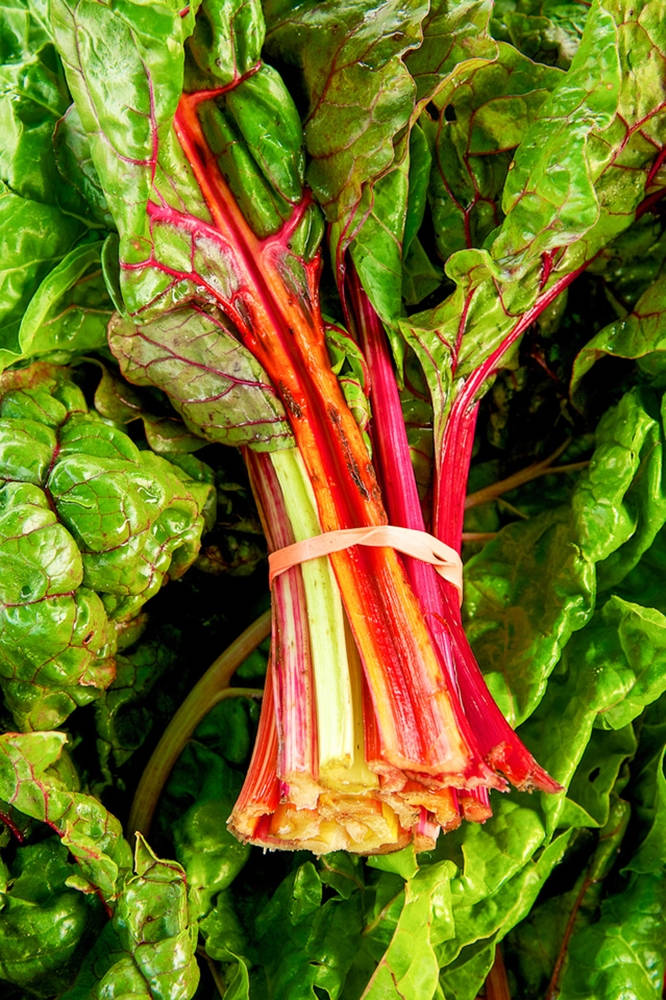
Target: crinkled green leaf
(574, 206)
(350, 59)
(210, 854)
(427, 917)
(525, 594)
(34, 237)
(635, 652)
(617, 509)
(454, 32)
(118, 401)
(70, 310)
(547, 205)
(224, 938)
(587, 683)
(379, 225)
(82, 193)
(302, 944)
(128, 107)
(24, 29)
(485, 110)
(536, 944)
(147, 951)
(374, 232)
(123, 713)
(91, 834)
(42, 215)
(648, 787)
(227, 38)
(620, 504)
(33, 96)
(633, 261)
(90, 527)
(597, 775)
(494, 915)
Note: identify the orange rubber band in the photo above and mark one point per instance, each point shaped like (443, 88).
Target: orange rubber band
(418, 544)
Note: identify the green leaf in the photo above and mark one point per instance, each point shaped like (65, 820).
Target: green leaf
(91, 834)
(546, 32)
(34, 96)
(210, 854)
(550, 207)
(227, 39)
(34, 237)
(622, 954)
(639, 335)
(124, 66)
(597, 775)
(619, 503)
(198, 362)
(485, 110)
(123, 713)
(349, 365)
(616, 510)
(43, 923)
(302, 944)
(224, 938)
(636, 657)
(559, 213)
(70, 310)
(90, 527)
(535, 946)
(148, 949)
(71, 147)
(455, 32)
(255, 134)
(350, 60)
(648, 788)
(409, 966)
(525, 593)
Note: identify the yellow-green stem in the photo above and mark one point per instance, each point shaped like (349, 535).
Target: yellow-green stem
(326, 622)
(212, 688)
(526, 475)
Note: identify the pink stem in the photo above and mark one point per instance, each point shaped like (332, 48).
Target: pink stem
(290, 647)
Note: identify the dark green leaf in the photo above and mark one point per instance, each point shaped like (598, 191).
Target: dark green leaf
(622, 954)
(43, 923)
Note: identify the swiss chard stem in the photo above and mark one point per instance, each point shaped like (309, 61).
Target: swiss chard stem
(284, 330)
(291, 647)
(497, 984)
(210, 689)
(543, 468)
(498, 743)
(335, 720)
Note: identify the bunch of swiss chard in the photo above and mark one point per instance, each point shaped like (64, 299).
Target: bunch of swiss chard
(321, 234)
